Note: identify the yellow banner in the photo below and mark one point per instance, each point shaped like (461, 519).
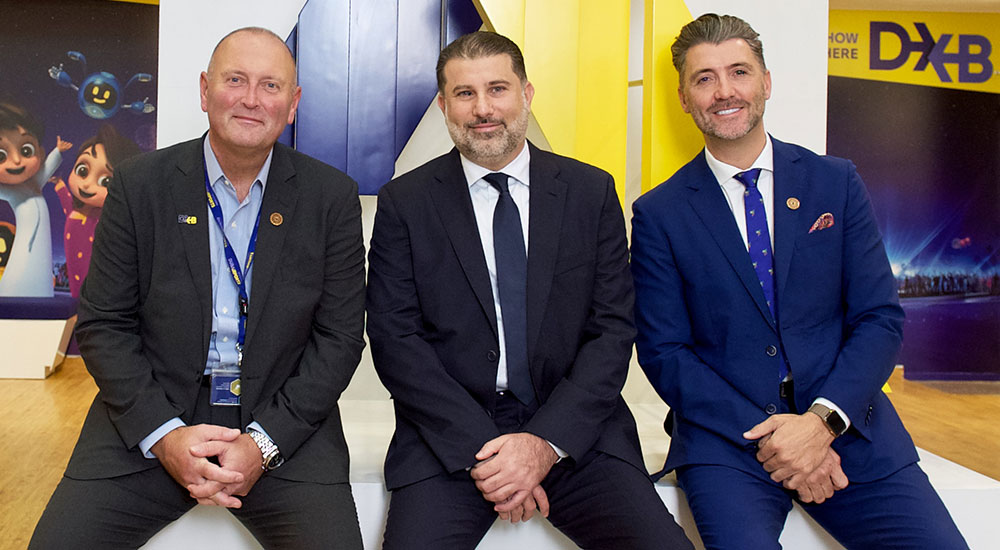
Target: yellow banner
(945, 50)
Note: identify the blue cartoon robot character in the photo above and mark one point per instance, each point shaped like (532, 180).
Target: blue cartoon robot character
(100, 94)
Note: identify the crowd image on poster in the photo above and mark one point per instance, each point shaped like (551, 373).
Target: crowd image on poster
(77, 97)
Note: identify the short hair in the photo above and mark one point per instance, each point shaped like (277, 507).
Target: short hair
(14, 116)
(715, 29)
(260, 31)
(481, 44)
(116, 146)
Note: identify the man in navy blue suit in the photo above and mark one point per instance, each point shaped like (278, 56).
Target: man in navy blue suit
(768, 321)
(500, 319)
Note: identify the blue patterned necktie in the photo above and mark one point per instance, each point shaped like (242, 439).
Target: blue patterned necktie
(759, 243)
(512, 285)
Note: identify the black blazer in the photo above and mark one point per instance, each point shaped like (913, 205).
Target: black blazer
(145, 311)
(432, 322)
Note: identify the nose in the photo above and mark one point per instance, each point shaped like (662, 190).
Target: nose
(250, 98)
(724, 90)
(482, 108)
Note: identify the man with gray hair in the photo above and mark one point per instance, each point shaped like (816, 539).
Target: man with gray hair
(221, 319)
(768, 321)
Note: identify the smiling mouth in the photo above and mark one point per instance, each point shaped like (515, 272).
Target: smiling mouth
(86, 195)
(16, 171)
(724, 112)
(99, 101)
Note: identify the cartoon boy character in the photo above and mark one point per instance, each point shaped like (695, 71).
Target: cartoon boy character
(83, 197)
(22, 175)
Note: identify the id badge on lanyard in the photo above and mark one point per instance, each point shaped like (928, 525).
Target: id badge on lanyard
(225, 379)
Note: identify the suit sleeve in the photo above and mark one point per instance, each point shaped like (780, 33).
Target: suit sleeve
(590, 390)
(873, 316)
(666, 341)
(447, 417)
(333, 349)
(108, 322)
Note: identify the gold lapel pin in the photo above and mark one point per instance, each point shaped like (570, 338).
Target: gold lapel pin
(276, 219)
(793, 203)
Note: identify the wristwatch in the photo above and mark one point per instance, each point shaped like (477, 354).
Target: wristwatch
(831, 418)
(269, 451)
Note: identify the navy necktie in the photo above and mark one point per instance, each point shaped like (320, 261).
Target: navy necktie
(512, 284)
(759, 242)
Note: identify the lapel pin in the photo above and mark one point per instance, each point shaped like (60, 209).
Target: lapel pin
(793, 203)
(276, 219)
(189, 220)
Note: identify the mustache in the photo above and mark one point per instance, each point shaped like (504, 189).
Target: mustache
(728, 104)
(486, 121)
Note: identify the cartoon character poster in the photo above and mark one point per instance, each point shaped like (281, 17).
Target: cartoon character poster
(77, 97)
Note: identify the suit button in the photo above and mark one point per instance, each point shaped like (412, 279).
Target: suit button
(771, 351)
(491, 355)
(771, 408)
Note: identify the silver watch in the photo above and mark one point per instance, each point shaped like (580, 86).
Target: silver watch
(269, 451)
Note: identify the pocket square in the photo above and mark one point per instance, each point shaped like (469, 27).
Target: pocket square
(822, 222)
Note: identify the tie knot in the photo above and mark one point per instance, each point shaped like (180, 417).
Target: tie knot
(498, 180)
(748, 178)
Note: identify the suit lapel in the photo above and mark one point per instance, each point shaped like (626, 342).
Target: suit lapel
(450, 193)
(710, 204)
(789, 176)
(547, 202)
(189, 200)
(280, 196)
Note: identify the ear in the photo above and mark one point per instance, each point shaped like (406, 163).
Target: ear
(767, 84)
(203, 83)
(441, 106)
(680, 95)
(529, 92)
(295, 104)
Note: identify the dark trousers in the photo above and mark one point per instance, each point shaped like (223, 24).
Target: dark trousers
(737, 510)
(125, 511)
(598, 502)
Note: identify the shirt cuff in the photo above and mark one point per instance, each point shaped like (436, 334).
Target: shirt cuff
(562, 454)
(826, 402)
(147, 443)
(255, 426)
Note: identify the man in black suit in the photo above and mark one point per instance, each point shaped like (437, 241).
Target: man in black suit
(220, 331)
(506, 366)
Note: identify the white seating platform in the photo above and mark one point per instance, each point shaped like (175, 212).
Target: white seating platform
(972, 498)
(48, 340)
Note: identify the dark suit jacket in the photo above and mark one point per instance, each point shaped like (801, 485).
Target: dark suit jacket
(432, 319)
(145, 311)
(704, 327)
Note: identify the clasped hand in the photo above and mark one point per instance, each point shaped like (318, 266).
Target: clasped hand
(795, 450)
(184, 453)
(509, 473)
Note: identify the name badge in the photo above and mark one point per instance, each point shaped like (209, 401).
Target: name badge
(226, 386)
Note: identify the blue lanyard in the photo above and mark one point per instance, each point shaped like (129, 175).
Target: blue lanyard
(234, 265)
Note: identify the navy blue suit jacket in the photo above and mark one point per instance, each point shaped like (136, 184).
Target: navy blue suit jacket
(432, 318)
(705, 329)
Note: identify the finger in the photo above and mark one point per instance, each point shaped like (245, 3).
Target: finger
(224, 476)
(208, 448)
(513, 500)
(211, 431)
(205, 489)
(491, 448)
(839, 479)
(485, 469)
(541, 500)
(226, 500)
(504, 516)
(760, 430)
(516, 514)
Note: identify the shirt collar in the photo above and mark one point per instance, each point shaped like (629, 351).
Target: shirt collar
(517, 168)
(724, 172)
(215, 172)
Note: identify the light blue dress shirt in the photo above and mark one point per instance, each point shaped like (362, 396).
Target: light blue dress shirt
(239, 219)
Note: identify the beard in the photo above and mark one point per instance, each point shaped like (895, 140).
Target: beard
(731, 130)
(487, 148)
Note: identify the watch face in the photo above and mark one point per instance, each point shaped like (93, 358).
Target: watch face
(275, 461)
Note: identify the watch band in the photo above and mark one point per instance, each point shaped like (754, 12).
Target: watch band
(830, 417)
(271, 456)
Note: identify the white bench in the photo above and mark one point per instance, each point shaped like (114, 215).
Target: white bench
(34, 333)
(973, 499)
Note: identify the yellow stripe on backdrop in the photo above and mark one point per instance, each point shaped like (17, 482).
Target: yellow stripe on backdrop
(669, 138)
(576, 55)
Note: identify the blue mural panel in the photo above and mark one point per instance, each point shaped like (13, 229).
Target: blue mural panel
(366, 68)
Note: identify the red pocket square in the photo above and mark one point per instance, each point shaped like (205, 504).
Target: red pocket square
(822, 222)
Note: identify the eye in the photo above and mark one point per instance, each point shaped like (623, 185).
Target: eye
(82, 170)
(27, 150)
(3, 156)
(104, 181)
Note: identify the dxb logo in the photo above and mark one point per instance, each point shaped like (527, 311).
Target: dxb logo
(972, 57)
